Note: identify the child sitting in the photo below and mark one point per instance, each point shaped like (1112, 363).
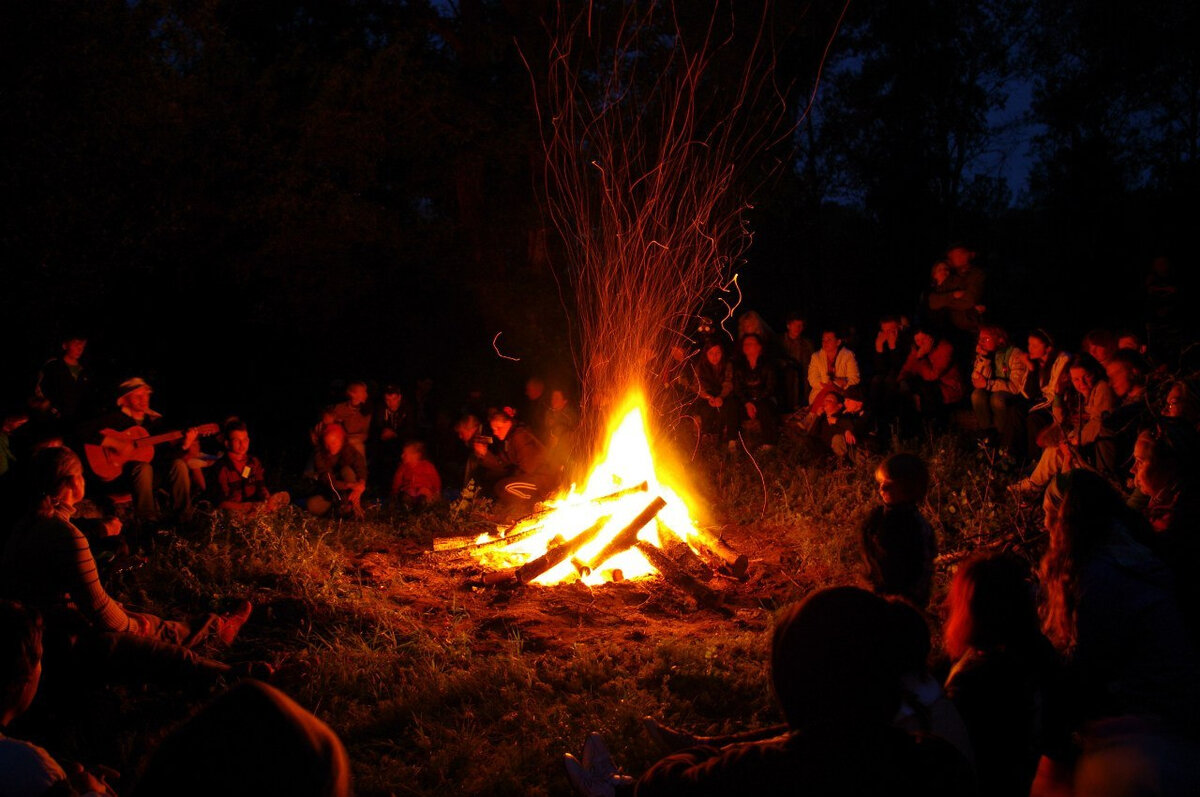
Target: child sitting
(416, 482)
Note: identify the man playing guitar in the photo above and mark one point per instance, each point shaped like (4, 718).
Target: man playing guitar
(113, 444)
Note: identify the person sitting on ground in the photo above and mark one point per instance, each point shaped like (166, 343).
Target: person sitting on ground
(1167, 471)
(832, 367)
(391, 427)
(903, 481)
(892, 347)
(1130, 692)
(355, 416)
(1126, 373)
(862, 436)
(240, 486)
(930, 381)
(524, 476)
(47, 564)
(27, 770)
(1101, 345)
(1047, 384)
(1073, 444)
(836, 666)
(1181, 402)
(416, 482)
(827, 435)
(754, 385)
(898, 550)
(475, 479)
(998, 382)
(253, 740)
(560, 421)
(713, 409)
(797, 352)
(1004, 669)
(532, 409)
(337, 476)
(169, 466)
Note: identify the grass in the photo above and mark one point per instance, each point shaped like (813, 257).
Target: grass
(438, 687)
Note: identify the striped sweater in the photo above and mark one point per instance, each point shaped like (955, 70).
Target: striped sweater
(48, 564)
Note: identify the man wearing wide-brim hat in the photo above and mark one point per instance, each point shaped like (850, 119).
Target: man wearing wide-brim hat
(118, 429)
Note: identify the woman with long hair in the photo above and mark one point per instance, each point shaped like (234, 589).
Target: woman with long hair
(1131, 685)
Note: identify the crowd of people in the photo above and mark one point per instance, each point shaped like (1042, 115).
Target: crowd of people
(1080, 674)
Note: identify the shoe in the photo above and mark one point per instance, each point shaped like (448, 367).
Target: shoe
(584, 782)
(596, 758)
(667, 738)
(230, 624)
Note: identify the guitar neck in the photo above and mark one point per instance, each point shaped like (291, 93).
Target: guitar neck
(165, 437)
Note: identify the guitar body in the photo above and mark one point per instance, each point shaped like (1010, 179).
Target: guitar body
(117, 449)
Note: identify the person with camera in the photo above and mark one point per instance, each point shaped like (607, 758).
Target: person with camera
(524, 473)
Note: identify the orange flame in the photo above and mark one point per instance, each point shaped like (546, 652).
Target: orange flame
(626, 462)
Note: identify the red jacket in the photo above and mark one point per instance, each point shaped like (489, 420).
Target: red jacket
(937, 366)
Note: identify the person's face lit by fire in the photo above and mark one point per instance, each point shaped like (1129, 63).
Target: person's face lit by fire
(1149, 475)
(468, 431)
(830, 343)
(940, 272)
(959, 257)
(1038, 350)
(1120, 377)
(138, 401)
(534, 389)
(715, 355)
(237, 443)
(1083, 381)
(892, 491)
(752, 349)
(392, 401)
(1102, 352)
(1175, 401)
(73, 349)
(501, 426)
(333, 439)
(795, 328)
(357, 395)
(832, 405)
(987, 343)
(558, 401)
(923, 342)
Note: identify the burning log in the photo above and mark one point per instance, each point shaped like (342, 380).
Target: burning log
(560, 553)
(719, 551)
(672, 572)
(674, 546)
(627, 536)
(513, 532)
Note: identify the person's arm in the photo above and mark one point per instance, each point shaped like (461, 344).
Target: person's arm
(849, 368)
(76, 568)
(1100, 405)
(816, 373)
(727, 381)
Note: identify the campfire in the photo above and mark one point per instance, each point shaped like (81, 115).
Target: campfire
(628, 522)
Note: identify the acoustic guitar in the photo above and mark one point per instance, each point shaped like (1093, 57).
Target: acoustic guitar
(135, 444)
